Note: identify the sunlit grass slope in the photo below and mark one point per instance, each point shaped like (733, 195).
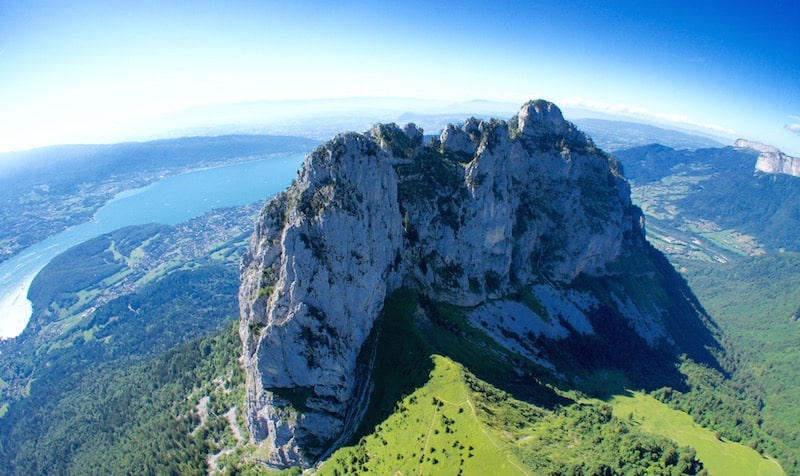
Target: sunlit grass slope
(431, 414)
(435, 429)
(719, 456)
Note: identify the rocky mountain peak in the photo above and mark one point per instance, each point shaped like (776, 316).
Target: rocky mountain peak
(487, 211)
(540, 116)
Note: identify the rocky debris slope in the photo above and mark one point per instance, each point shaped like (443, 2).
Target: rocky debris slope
(485, 210)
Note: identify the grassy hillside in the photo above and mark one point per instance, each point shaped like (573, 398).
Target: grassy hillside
(435, 427)
(719, 456)
(424, 434)
(458, 424)
(446, 420)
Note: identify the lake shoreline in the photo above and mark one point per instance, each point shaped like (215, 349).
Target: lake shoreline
(171, 200)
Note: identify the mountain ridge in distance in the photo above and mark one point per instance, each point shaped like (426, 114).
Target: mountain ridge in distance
(770, 159)
(613, 135)
(322, 118)
(725, 191)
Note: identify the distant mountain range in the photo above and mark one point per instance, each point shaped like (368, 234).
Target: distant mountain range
(613, 135)
(321, 119)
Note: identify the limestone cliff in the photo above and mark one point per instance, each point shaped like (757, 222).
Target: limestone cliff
(469, 218)
(770, 159)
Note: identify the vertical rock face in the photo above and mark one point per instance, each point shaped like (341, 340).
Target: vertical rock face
(770, 159)
(320, 263)
(486, 207)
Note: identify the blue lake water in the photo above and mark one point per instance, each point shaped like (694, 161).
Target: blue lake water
(169, 201)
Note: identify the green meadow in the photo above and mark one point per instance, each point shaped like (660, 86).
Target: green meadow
(434, 430)
(719, 456)
(448, 419)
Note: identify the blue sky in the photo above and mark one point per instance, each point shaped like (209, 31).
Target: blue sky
(101, 71)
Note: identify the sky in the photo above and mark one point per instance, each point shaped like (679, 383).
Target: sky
(88, 71)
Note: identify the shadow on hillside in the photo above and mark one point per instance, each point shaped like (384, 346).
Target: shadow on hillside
(608, 362)
(406, 339)
(402, 359)
(616, 357)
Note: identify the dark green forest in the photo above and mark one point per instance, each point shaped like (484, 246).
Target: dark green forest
(755, 300)
(114, 400)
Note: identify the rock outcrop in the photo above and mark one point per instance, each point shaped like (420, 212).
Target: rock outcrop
(770, 159)
(484, 209)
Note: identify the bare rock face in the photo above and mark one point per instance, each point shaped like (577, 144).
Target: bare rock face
(320, 263)
(770, 159)
(487, 206)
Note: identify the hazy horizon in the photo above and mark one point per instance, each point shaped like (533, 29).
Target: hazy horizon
(103, 72)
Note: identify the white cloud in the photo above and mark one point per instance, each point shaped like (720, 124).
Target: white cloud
(794, 127)
(643, 113)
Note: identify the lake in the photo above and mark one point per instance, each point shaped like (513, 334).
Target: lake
(169, 201)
